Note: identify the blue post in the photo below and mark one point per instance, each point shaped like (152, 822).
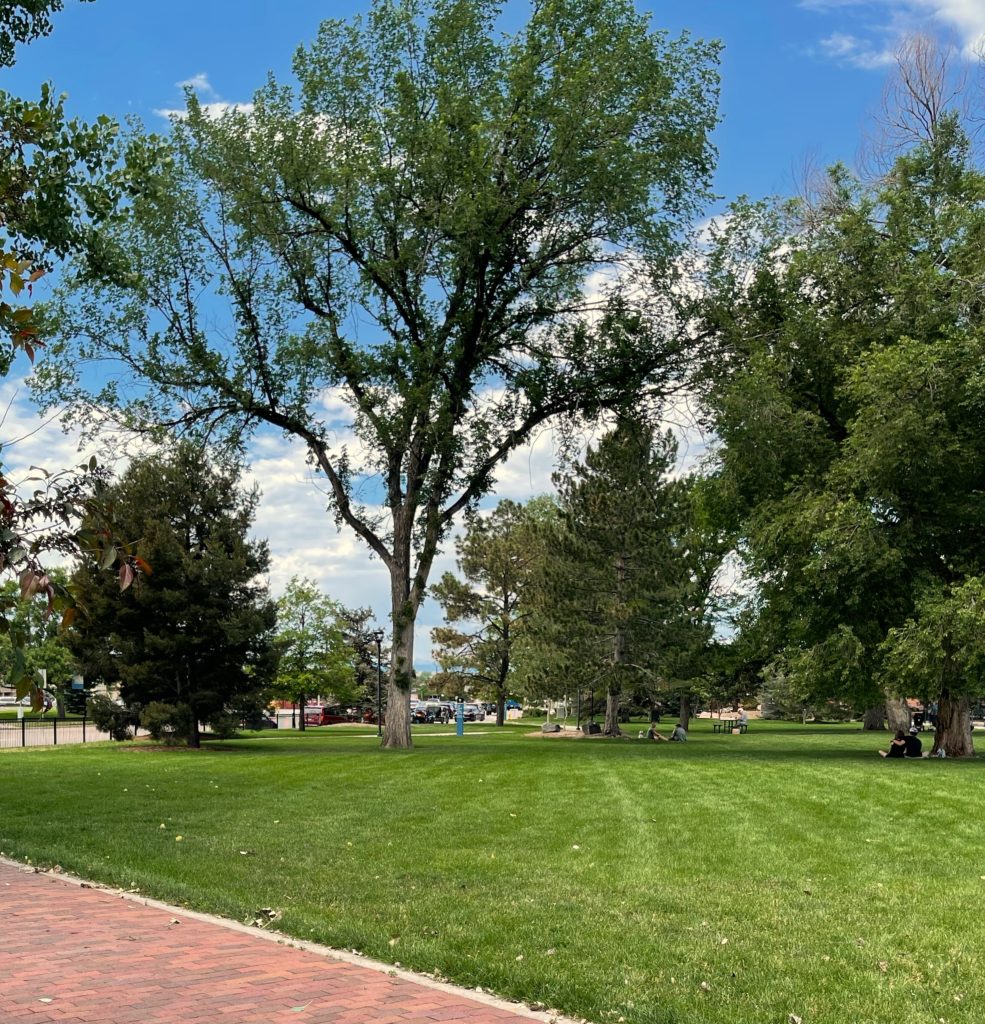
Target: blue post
(459, 719)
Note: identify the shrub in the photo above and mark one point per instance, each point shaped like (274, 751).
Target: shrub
(166, 723)
(224, 725)
(111, 717)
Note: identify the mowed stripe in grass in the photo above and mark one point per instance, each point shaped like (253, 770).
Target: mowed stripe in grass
(741, 879)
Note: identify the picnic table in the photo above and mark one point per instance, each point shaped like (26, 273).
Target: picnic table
(726, 725)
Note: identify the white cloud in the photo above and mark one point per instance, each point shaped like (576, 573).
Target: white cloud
(871, 30)
(198, 83)
(859, 53)
(213, 109)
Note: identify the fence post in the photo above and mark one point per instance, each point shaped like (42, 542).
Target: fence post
(54, 723)
(23, 733)
(83, 727)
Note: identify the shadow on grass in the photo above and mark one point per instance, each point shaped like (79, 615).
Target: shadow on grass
(766, 743)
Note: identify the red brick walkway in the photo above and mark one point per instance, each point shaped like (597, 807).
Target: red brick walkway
(86, 956)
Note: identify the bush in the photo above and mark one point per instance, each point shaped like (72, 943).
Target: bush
(166, 723)
(109, 716)
(224, 726)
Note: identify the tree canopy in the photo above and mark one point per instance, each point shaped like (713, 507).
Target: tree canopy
(314, 655)
(616, 603)
(411, 231)
(847, 391)
(195, 632)
(55, 184)
(484, 611)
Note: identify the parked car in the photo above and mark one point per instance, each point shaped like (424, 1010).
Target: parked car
(421, 714)
(439, 710)
(315, 715)
(258, 722)
(475, 713)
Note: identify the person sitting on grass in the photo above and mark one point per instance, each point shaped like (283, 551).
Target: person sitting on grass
(913, 748)
(897, 748)
(679, 735)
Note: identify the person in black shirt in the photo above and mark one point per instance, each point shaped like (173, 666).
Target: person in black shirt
(912, 745)
(897, 748)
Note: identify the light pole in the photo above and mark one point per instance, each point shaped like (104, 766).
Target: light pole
(377, 635)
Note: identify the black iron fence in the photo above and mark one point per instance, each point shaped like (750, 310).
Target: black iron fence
(46, 731)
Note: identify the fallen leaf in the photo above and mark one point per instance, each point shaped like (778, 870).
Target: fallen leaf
(793, 1019)
(883, 966)
(705, 987)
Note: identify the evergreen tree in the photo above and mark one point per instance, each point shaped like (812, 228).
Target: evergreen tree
(615, 607)
(195, 632)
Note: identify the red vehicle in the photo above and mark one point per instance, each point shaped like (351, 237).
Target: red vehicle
(315, 715)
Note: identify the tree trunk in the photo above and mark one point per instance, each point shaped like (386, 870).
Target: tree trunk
(302, 703)
(897, 714)
(396, 731)
(611, 727)
(685, 718)
(500, 707)
(872, 718)
(194, 737)
(953, 732)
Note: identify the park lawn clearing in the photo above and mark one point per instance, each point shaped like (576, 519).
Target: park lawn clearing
(789, 872)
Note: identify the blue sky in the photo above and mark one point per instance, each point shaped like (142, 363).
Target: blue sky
(800, 82)
(800, 77)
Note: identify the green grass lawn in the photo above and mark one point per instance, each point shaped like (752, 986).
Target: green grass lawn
(732, 879)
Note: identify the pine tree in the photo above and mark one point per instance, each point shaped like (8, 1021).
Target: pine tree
(615, 607)
(196, 631)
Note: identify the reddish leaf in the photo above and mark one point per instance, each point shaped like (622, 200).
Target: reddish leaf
(126, 575)
(143, 566)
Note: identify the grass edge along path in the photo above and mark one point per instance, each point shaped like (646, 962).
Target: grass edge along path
(741, 879)
(520, 1013)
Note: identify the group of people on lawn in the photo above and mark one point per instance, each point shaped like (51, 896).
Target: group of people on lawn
(905, 744)
(679, 735)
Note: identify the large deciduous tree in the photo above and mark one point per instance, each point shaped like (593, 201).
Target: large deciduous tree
(411, 231)
(484, 611)
(195, 632)
(847, 390)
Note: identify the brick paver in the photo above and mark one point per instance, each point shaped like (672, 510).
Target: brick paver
(86, 956)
